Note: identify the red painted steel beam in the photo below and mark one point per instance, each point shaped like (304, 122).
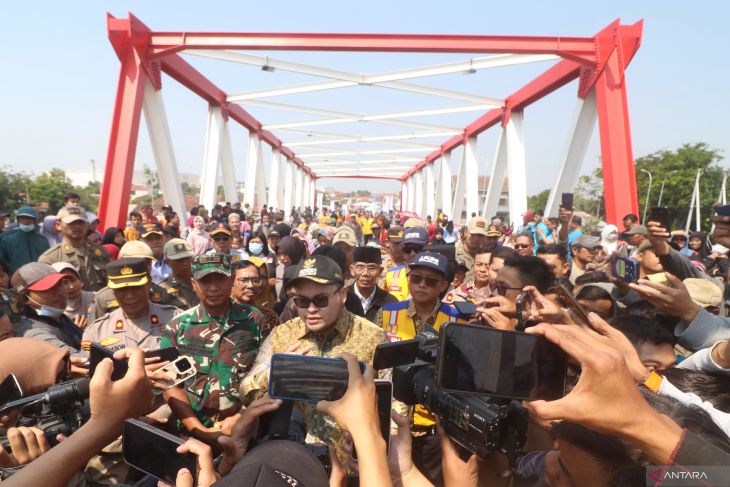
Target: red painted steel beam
(114, 198)
(578, 48)
(619, 179)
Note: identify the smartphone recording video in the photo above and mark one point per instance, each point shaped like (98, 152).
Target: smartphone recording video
(624, 269)
(485, 361)
(154, 452)
(309, 379)
(661, 215)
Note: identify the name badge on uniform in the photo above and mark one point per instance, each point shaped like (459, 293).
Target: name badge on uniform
(109, 341)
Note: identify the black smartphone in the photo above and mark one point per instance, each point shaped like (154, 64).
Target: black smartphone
(624, 269)
(568, 300)
(480, 360)
(661, 214)
(98, 352)
(384, 397)
(567, 201)
(154, 452)
(394, 354)
(10, 389)
(309, 379)
(465, 308)
(168, 354)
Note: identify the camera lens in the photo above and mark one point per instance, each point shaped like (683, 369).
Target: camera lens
(183, 365)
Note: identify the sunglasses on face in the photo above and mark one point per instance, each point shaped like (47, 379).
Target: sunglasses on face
(319, 301)
(221, 239)
(429, 281)
(412, 249)
(501, 289)
(522, 246)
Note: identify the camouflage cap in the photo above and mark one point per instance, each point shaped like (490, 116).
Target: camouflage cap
(130, 271)
(211, 263)
(178, 248)
(70, 214)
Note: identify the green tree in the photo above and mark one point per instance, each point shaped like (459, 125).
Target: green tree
(677, 170)
(49, 188)
(13, 189)
(588, 195)
(538, 201)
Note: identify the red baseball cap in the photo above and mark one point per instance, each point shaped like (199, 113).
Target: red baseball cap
(36, 276)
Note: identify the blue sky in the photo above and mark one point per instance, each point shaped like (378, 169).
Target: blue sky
(59, 73)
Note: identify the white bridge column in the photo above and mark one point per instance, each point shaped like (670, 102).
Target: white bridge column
(313, 193)
(298, 187)
(411, 194)
(418, 182)
(575, 151)
(252, 163)
(276, 185)
(467, 183)
(429, 192)
(516, 167)
(496, 179)
(306, 191)
(403, 195)
(289, 176)
(443, 192)
(212, 158)
(154, 114)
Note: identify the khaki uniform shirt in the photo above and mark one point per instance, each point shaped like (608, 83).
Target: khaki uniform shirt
(352, 334)
(90, 260)
(463, 255)
(468, 292)
(115, 331)
(179, 293)
(105, 301)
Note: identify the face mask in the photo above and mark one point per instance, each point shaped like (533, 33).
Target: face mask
(256, 248)
(26, 227)
(49, 311)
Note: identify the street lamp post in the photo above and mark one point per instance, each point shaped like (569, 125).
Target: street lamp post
(648, 193)
(661, 190)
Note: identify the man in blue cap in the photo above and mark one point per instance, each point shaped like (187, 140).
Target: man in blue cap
(23, 244)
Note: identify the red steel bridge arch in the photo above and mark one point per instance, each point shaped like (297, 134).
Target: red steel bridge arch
(597, 61)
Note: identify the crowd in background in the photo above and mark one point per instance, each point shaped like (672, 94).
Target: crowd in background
(236, 284)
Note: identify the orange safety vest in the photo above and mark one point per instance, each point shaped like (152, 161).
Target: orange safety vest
(396, 282)
(399, 326)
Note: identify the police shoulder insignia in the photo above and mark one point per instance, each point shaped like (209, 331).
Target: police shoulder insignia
(154, 320)
(156, 297)
(119, 325)
(86, 345)
(112, 304)
(171, 290)
(449, 298)
(109, 341)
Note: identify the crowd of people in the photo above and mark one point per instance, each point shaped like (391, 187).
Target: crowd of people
(649, 357)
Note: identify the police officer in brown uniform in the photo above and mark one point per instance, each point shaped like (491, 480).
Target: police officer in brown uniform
(178, 285)
(89, 259)
(105, 300)
(137, 323)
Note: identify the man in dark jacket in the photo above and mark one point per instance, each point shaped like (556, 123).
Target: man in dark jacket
(366, 268)
(23, 244)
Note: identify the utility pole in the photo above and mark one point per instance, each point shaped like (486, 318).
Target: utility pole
(93, 170)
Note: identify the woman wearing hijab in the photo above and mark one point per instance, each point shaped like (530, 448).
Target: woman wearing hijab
(112, 241)
(290, 252)
(198, 238)
(304, 237)
(609, 239)
(51, 231)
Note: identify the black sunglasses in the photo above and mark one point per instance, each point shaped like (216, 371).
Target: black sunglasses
(412, 249)
(430, 281)
(221, 239)
(319, 301)
(522, 246)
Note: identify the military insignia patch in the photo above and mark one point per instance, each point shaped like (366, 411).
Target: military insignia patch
(154, 320)
(86, 345)
(308, 263)
(109, 341)
(126, 270)
(119, 325)
(113, 304)
(449, 298)
(156, 297)
(171, 290)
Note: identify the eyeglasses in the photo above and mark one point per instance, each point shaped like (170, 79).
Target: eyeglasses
(522, 246)
(429, 281)
(319, 301)
(255, 281)
(412, 249)
(501, 289)
(222, 239)
(370, 269)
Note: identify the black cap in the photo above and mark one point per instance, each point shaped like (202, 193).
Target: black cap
(415, 235)
(130, 271)
(320, 269)
(432, 260)
(149, 228)
(395, 234)
(370, 255)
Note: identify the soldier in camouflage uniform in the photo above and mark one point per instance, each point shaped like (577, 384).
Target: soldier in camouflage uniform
(178, 285)
(89, 259)
(223, 338)
(105, 301)
(137, 323)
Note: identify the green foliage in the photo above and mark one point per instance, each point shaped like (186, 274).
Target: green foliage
(538, 201)
(18, 189)
(13, 187)
(678, 169)
(49, 188)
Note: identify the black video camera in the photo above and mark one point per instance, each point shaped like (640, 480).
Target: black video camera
(481, 425)
(62, 409)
